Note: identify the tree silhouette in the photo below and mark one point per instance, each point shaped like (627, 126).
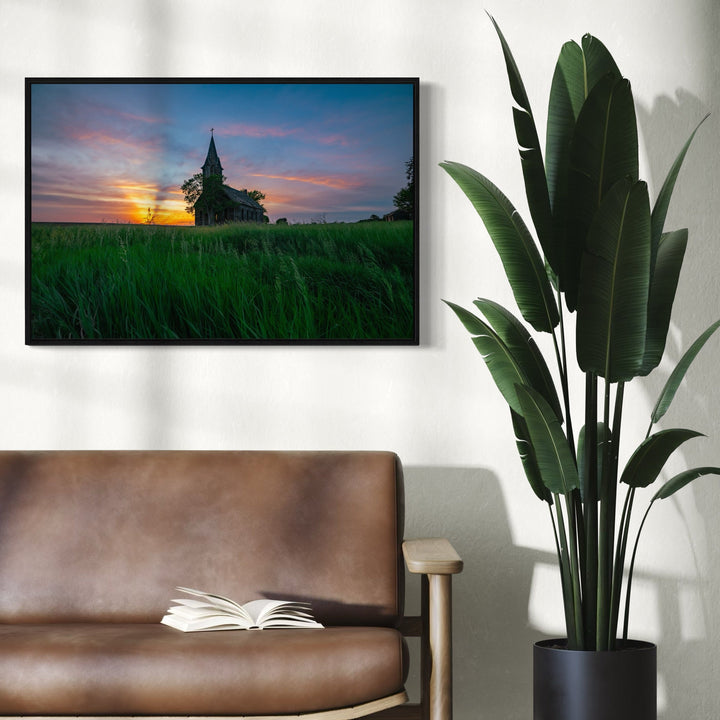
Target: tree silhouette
(405, 199)
(207, 193)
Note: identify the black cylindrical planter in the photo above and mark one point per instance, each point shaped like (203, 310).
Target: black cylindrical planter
(594, 685)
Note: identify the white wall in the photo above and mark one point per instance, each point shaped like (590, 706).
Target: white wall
(435, 405)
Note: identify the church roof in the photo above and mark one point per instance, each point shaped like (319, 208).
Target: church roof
(212, 166)
(212, 158)
(241, 197)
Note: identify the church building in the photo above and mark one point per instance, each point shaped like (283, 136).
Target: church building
(228, 205)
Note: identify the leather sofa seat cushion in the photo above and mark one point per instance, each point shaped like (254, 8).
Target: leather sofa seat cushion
(146, 669)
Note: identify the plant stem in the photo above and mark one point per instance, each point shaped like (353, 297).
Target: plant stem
(591, 516)
(568, 596)
(631, 571)
(605, 540)
(561, 357)
(573, 500)
(612, 498)
(575, 571)
(620, 561)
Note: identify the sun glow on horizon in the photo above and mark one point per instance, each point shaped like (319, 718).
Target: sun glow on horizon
(119, 152)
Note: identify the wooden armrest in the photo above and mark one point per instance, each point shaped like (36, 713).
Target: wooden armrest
(432, 556)
(436, 560)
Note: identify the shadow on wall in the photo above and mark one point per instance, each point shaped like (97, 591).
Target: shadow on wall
(492, 641)
(687, 656)
(492, 636)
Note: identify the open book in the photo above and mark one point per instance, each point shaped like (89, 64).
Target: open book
(206, 611)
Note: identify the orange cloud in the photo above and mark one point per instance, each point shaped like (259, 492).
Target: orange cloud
(333, 181)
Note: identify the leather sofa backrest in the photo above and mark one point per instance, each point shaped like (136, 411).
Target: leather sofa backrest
(108, 535)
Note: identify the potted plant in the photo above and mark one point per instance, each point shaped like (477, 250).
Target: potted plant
(605, 257)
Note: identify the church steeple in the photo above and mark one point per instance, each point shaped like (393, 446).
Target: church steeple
(212, 165)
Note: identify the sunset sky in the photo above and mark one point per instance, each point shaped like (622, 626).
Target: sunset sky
(106, 152)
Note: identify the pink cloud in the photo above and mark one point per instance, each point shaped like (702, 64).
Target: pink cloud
(262, 131)
(140, 118)
(336, 139)
(255, 131)
(108, 139)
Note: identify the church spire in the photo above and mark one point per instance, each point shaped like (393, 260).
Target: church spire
(212, 165)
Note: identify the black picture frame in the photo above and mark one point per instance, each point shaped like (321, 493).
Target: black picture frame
(332, 278)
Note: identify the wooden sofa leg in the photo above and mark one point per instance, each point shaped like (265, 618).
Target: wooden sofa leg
(440, 612)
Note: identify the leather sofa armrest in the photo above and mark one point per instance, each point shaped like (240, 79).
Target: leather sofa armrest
(432, 556)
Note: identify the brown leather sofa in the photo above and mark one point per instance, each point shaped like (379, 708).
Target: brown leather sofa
(93, 544)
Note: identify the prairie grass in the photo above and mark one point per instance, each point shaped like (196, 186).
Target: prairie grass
(231, 282)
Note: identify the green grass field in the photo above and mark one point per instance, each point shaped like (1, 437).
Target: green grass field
(232, 282)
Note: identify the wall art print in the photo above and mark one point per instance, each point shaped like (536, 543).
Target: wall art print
(243, 211)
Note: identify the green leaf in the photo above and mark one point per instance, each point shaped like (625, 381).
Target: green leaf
(577, 71)
(665, 273)
(604, 147)
(505, 370)
(677, 375)
(509, 352)
(612, 302)
(552, 451)
(598, 61)
(533, 167)
(528, 459)
(650, 457)
(567, 95)
(602, 438)
(524, 349)
(662, 203)
(523, 265)
(684, 478)
(604, 150)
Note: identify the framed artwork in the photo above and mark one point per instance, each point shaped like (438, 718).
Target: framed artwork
(221, 211)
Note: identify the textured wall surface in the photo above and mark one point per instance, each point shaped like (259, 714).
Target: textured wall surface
(435, 405)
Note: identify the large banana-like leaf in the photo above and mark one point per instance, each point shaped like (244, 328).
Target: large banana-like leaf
(662, 203)
(528, 459)
(524, 349)
(604, 147)
(533, 168)
(682, 479)
(598, 62)
(604, 150)
(552, 451)
(567, 95)
(612, 302)
(577, 71)
(505, 370)
(509, 353)
(648, 460)
(664, 275)
(677, 375)
(523, 265)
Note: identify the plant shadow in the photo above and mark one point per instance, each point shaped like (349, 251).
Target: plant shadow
(492, 639)
(493, 634)
(689, 626)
